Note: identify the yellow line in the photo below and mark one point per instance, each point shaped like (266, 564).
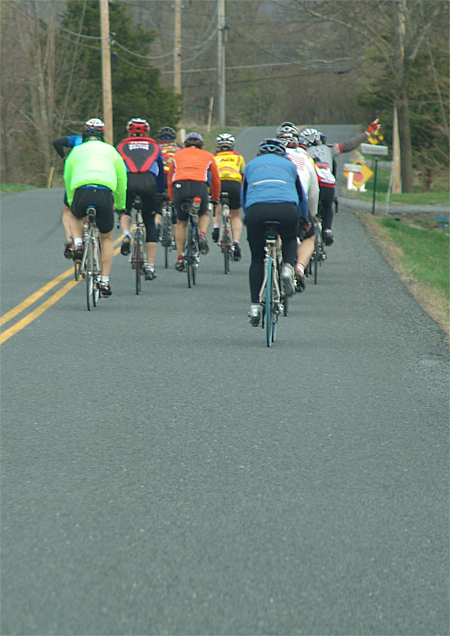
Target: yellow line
(37, 312)
(31, 299)
(42, 291)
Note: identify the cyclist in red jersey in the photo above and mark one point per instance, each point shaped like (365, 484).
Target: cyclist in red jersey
(144, 166)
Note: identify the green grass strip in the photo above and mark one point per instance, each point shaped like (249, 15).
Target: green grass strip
(425, 252)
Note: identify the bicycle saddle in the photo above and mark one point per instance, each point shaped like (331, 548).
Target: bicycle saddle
(272, 229)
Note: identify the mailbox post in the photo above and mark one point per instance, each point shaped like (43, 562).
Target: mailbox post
(377, 151)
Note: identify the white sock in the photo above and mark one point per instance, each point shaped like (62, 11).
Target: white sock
(78, 242)
(126, 233)
(105, 280)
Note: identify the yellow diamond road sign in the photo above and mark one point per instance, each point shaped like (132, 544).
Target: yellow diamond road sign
(360, 178)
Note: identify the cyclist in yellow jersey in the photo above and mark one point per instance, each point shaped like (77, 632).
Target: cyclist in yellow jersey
(231, 169)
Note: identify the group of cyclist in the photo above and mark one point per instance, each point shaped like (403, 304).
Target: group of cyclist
(285, 182)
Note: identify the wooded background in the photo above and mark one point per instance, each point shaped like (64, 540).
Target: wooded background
(308, 61)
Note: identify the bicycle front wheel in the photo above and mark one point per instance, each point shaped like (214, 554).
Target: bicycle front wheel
(269, 303)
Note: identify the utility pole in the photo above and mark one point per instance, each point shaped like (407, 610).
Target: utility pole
(221, 33)
(106, 71)
(177, 48)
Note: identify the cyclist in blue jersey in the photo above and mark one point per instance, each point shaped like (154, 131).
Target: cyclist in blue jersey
(271, 191)
(60, 143)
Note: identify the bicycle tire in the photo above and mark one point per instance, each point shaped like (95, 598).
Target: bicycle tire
(316, 256)
(275, 312)
(195, 249)
(189, 268)
(89, 277)
(269, 303)
(137, 263)
(97, 274)
(77, 270)
(166, 239)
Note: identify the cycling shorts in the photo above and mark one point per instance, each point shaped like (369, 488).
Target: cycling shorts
(102, 200)
(183, 190)
(234, 191)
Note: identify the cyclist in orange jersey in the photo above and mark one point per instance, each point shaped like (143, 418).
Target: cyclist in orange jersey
(191, 171)
(231, 169)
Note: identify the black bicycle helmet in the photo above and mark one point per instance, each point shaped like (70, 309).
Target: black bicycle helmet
(93, 128)
(194, 139)
(166, 133)
(275, 146)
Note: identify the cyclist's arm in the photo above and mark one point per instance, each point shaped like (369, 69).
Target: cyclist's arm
(120, 194)
(160, 181)
(59, 144)
(169, 179)
(314, 191)
(68, 179)
(215, 181)
(303, 199)
(347, 146)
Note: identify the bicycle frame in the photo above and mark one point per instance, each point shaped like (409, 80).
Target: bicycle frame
(90, 266)
(270, 295)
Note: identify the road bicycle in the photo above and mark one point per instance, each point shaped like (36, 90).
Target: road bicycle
(192, 250)
(167, 232)
(138, 256)
(225, 241)
(90, 266)
(272, 298)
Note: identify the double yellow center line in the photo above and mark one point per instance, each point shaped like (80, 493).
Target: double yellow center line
(20, 324)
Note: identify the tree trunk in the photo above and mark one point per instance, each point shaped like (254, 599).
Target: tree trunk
(405, 142)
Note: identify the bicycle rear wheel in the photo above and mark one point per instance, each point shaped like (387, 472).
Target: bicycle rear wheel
(97, 272)
(89, 277)
(316, 255)
(76, 270)
(269, 303)
(189, 257)
(137, 261)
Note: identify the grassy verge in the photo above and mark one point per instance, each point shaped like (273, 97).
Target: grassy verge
(15, 187)
(439, 193)
(418, 250)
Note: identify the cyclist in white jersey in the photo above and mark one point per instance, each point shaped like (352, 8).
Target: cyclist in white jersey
(307, 173)
(324, 155)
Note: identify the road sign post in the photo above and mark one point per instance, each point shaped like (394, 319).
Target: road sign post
(377, 151)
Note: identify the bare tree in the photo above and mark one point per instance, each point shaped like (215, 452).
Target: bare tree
(396, 30)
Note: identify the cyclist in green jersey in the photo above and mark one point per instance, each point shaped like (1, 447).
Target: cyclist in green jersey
(94, 174)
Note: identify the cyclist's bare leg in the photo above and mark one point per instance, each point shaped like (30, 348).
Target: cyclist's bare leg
(217, 213)
(125, 222)
(150, 248)
(236, 224)
(305, 251)
(66, 222)
(180, 235)
(158, 219)
(76, 227)
(203, 222)
(107, 252)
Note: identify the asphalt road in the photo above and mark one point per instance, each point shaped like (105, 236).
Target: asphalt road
(164, 472)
